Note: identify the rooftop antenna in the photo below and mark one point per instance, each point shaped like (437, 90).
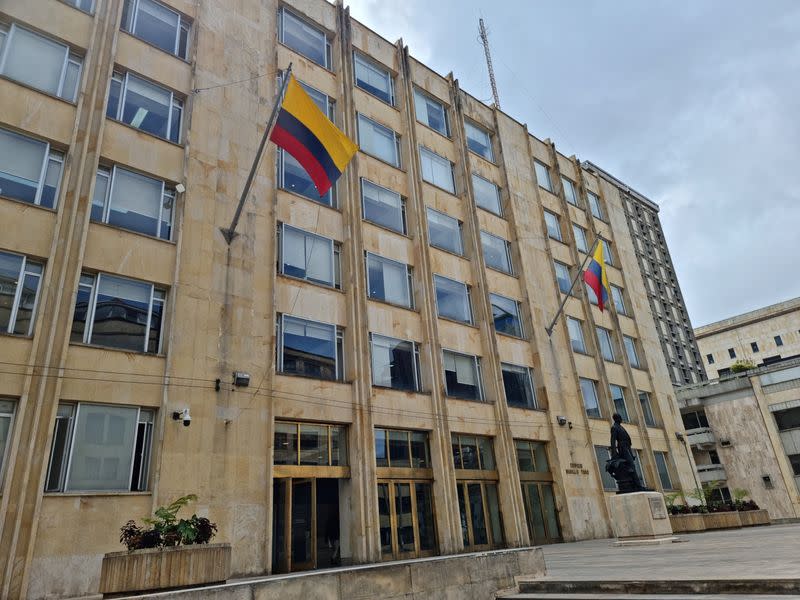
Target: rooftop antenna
(485, 40)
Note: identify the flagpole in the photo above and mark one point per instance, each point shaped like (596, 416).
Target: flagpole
(572, 285)
(230, 232)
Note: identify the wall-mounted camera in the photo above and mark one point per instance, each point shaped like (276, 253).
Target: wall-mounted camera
(182, 415)
(561, 420)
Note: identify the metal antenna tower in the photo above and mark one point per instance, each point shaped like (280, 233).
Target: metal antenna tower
(485, 40)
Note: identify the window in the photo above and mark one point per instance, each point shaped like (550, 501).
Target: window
(754, 346)
(395, 363)
(531, 457)
(543, 175)
(308, 256)
(39, 62)
(694, 420)
(304, 38)
(444, 232)
(19, 292)
(473, 452)
(630, 349)
(100, 447)
(713, 456)
(133, 201)
(663, 469)
(373, 78)
(604, 341)
(575, 328)
(710, 358)
(437, 170)
(518, 386)
(618, 398)
(647, 409)
(607, 255)
(506, 315)
(383, 206)
(594, 205)
(481, 524)
(462, 376)
(389, 280)
(731, 352)
(145, 106)
(618, 297)
(478, 141)
(590, 401)
(778, 340)
(118, 313)
(580, 238)
(310, 348)
(157, 24)
(378, 141)
(309, 444)
(553, 225)
(537, 491)
(30, 170)
(431, 112)
(85, 5)
(452, 299)
(402, 448)
(563, 277)
(788, 419)
(794, 460)
(6, 422)
(569, 191)
(496, 252)
(487, 194)
(590, 294)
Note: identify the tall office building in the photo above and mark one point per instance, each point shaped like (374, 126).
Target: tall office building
(403, 393)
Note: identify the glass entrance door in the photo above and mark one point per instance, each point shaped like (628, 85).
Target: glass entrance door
(302, 537)
(481, 526)
(540, 510)
(405, 510)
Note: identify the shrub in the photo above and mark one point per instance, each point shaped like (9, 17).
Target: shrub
(741, 366)
(167, 530)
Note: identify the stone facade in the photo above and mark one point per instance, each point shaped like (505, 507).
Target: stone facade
(138, 317)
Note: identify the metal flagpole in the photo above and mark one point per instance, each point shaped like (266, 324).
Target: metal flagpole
(572, 285)
(230, 232)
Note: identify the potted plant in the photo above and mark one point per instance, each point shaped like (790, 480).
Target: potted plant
(749, 512)
(167, 552)
(682, 516)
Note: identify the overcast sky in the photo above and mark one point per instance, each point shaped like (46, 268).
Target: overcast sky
(695, 104)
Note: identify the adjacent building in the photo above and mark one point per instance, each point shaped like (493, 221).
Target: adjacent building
(404, 398)
(760, 337)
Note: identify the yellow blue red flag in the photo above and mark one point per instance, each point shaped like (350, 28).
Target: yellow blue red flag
(596, 276)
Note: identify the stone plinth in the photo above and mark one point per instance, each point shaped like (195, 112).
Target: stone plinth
(640, 516)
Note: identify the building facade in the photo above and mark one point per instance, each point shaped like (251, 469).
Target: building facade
(744, 433)
(663, 290)
(404, 398)
(762, 337)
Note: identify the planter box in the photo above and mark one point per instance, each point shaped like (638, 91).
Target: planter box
(160, 568)
(754, 517)
(722, 520)
(687, 523)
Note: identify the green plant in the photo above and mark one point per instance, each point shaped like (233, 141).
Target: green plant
(705, 495)
(742, 365)
(670, 500)
(167, 530)
(739, 495)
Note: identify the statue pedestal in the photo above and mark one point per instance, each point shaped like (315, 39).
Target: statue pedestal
(640, 518)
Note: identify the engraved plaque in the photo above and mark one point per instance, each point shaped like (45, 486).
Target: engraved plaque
(657, 508)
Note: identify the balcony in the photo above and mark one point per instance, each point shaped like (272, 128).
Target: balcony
(709, 473)
(701, 437)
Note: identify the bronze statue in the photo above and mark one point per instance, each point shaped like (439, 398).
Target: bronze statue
(621, 465)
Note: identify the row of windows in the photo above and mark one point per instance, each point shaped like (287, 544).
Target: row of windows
(618, 398)
(608, 349)
(753, 347)
(662, 463)
(552, 222)
(570, 193)
(564, 279)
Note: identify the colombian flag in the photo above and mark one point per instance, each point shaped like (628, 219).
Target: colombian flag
(596, 277)
(308, 135)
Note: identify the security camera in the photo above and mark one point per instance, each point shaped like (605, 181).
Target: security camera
(183, 415)
(561, 420)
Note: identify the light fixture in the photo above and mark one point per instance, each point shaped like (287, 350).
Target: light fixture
(241, 379)
(180, 188)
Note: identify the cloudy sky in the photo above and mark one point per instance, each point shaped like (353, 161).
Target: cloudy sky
(694, 104)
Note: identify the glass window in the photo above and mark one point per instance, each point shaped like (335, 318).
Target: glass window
(575, 328)
(309, 348)
(478, 141)
(309, 444)
(379, 141)
(84, 5)
(569, 191)
(157, 24)
(437, 170)
(39, 62)
(590, 401)
(473, 452)
(785, 419)
(619, 300)
(145, 106)
(630, 349)
(19, 293)
(100, 448)
(452, 299)
(603, 455)
(383, 206)
(604, 341)
(496, 252)
(543, 175)
(506, 315)
(580, 238)
(754, 346)
(304, 38)
(710, 358)
(518, 386)
(531, 457)
(29, 170)
(594, 205)
(618, 398)
(663, 469)
(373, 78)
(308, 256)
(118, 313)
(444, 232)
(778, 340)
(402, 448)
(647, 409)
(462, 376)
(563, 276)
(133, 201)
(553, 225)
(389, 280)
(431, 112)
(731, 352)
(395, 363)
(6, 422)
(487, 194)
(607, 255)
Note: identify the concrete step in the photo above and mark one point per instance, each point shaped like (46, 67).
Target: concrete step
(673, 587)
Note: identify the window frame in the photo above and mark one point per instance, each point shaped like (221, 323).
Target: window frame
(459, 225)
(409, 279)
(594, 206)
(546, 170)
(49, 156)
(557, 218)
(581, 242)
(397, 163)
(184, 24)
(579, 324)
(472, 125)
(338, 344)
(175, 103)
(608, 353)
(467, 295)
(415, 363)
(632, 351)
(403, 218)
(508, 255)
(418, 92)
(498, 198)
(648, 413)
(368, 62)
(556, 265)
(626, 417)
(529, 378)
(476, 364)
(518, 310)
(572, 197)
(282, 12)
(23, 273)
(4, 449)
(436, 158)
(664, 457)
(618, 299)
(335, 268)
(599, 409)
